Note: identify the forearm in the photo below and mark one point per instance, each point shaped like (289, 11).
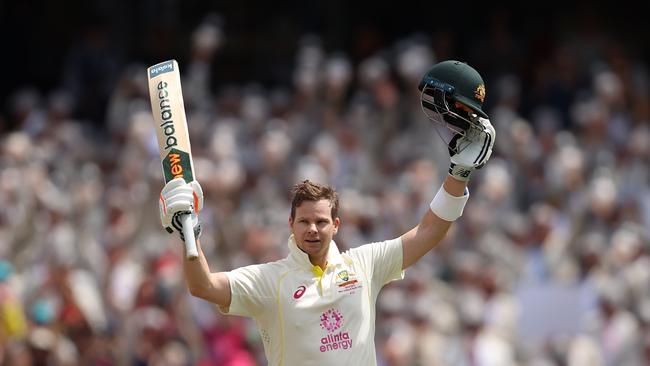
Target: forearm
(197, 273)
(422, 238)
(433, 227)
(213, 287)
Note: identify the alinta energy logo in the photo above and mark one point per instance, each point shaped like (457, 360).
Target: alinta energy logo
(331, 321)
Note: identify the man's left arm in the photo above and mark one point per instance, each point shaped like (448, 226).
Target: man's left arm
(467, 153)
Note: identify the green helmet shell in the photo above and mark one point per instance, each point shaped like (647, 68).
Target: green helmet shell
(466, 84)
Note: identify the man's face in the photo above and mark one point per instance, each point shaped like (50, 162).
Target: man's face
(313, 228)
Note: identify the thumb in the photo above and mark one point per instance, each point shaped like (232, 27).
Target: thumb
(451, 147)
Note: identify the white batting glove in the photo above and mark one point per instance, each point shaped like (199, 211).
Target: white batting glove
(178, 197)
(472, 151)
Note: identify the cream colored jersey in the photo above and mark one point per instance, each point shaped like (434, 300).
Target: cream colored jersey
(307, 316)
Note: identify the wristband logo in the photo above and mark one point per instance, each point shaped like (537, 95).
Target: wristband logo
(464, 173)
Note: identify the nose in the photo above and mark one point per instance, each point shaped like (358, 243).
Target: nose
(312, 228)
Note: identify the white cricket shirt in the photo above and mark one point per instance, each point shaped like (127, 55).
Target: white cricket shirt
(311, 317)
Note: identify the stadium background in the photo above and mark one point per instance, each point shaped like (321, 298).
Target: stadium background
(549, 266)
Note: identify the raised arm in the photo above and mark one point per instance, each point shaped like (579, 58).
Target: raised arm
(449, 202)
(213, 287)
(180, 197)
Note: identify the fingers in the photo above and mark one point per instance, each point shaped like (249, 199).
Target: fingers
(198, 195)
(165, 219)
(172, 184)
(485, 151)
(178, 196)
(180, 201)
(477, 146)
(488, 136)
(487, 127)
(453, 144)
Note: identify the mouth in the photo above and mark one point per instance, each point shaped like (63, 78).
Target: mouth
(312, 241)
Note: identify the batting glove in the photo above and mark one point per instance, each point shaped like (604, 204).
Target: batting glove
(471, 151)
(179, 197)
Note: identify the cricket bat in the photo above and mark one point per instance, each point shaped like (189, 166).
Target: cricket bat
(173, 138)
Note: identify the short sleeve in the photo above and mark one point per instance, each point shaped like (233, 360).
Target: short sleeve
(382, 261)
(251, 290)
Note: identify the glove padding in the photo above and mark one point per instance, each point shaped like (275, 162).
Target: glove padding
(471, 151)
(179, 197)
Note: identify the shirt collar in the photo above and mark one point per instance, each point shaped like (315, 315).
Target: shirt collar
(334, 257)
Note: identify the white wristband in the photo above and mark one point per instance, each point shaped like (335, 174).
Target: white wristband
(448, 207)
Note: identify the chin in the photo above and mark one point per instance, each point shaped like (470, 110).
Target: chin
(313, 249)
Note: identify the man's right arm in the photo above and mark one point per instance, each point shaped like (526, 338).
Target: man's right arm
(179, 197)
(213, 287)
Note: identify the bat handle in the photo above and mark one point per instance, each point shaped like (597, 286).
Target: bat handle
(190, 242)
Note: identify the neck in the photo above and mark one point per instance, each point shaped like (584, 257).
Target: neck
(321, 262)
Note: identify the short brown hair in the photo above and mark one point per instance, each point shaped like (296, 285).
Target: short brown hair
(309, 191)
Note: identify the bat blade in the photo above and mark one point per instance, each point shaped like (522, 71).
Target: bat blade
(171, 123)
(171, 130)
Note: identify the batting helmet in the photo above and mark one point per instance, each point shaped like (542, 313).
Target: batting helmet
(445, 84)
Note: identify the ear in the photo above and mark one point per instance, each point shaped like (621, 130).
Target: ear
(337, 222)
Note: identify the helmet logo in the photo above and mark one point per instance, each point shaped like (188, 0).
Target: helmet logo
(480, 93)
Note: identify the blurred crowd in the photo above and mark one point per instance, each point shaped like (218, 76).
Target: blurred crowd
(549, 266)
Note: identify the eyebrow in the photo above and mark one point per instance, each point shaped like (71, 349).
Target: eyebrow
(324, 217)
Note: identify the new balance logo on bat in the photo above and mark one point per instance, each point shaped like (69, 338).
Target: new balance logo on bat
(166, 116)
(177, 165)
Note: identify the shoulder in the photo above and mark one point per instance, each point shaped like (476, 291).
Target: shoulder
(267, 270)
(375, 246)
